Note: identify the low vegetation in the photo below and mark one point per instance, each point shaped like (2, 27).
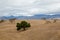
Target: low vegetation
(1, 21)
(54, 20)
(23, 25)
(12, 20)
(47, 22)
(43, 18)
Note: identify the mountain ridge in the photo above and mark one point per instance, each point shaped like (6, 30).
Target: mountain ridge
(38, 16)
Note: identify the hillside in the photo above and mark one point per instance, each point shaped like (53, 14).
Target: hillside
(39, 31)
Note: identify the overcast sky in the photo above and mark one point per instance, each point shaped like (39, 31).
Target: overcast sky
(28, 7)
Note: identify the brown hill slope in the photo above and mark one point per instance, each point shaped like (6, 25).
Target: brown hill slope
(38, 31)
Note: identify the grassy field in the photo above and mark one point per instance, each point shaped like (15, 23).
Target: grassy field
(39, 30)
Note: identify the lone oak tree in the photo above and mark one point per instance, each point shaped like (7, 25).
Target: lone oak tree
(23, 25)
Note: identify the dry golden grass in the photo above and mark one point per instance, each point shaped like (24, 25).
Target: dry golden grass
(40, 30)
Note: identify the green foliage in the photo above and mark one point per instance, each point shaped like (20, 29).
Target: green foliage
(18, 26)
(23, 25)
(28, 25)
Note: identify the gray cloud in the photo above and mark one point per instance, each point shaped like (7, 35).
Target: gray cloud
(28, 7)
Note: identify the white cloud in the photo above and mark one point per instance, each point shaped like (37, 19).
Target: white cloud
(28, 7)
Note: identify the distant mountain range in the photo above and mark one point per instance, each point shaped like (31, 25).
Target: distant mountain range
(38, 16)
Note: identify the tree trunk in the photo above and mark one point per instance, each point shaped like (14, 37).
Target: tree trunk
(23, 28)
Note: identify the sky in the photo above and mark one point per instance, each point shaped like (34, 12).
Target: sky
(29, 7)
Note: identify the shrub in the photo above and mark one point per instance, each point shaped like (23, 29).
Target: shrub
(1, 21)
(54, 20)
(12, 20)
(23, 25)
(43, 18)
